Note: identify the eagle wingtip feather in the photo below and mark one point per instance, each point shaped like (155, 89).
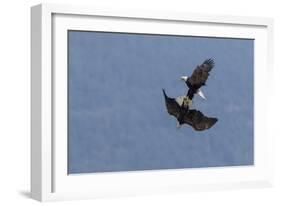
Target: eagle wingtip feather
(210, 62)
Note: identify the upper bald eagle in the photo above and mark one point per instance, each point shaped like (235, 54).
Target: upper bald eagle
(198, 78)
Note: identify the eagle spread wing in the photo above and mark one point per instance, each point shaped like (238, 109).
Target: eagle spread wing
(201, 73)
(198, 121)
(173, 107)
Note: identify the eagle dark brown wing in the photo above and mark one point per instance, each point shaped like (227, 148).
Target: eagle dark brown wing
(172, 106)
(201, 73)
(198, 121)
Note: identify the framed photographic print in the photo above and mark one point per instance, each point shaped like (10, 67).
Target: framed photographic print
(137, 102)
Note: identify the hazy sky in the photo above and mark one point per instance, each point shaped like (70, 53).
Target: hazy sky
(117, 115)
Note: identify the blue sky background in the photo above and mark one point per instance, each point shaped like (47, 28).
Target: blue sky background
(117, 115)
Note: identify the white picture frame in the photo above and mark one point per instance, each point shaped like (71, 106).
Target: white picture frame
(49, 179)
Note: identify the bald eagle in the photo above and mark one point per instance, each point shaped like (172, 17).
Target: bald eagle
(185, 115)
(198, 78)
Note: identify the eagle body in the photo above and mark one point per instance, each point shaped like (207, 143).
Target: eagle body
(184, 115)
(198, 78)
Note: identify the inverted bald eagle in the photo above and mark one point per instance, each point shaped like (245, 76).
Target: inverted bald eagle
(184, 115)
(198, 78)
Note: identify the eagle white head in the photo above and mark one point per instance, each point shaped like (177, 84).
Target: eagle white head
(184, 100)
(184, 78)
